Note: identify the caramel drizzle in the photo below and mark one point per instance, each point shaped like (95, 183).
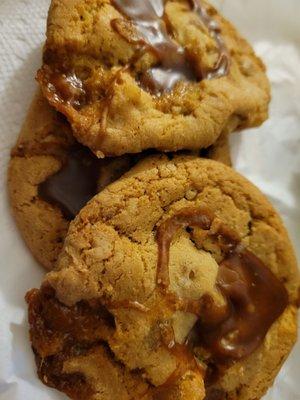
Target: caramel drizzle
(185, 362)
(63, 90)
(109, 95)
(165, 233)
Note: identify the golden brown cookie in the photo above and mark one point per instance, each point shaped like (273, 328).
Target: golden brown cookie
(51, 177)
(136, 75)
(180, 274)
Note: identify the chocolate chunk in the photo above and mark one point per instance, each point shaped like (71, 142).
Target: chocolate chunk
(255, 298)
(81, 177)
(74, 184)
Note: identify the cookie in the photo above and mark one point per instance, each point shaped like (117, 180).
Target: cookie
(182, 277)
(51, 177)
(136, 75)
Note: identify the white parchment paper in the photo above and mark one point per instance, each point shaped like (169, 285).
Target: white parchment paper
(269, 156)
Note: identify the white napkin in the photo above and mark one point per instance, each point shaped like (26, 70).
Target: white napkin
(269, 156)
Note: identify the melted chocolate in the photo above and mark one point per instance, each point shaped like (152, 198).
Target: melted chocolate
(74, 184)
(255, 298)
(81, 177)
(173, 65)
(148, 17)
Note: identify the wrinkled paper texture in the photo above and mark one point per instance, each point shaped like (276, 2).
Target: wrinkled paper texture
(269, 156)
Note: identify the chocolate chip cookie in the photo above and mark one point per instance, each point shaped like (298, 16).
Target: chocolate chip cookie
(135, 75)
(179, 278)
(52, 176)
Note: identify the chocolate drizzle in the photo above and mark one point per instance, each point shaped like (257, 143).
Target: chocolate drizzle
(81, 177)
(255, 298)
(174, 63)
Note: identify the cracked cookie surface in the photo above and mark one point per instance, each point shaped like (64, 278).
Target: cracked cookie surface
(107, 280)
(101, 62)
(45, 149)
